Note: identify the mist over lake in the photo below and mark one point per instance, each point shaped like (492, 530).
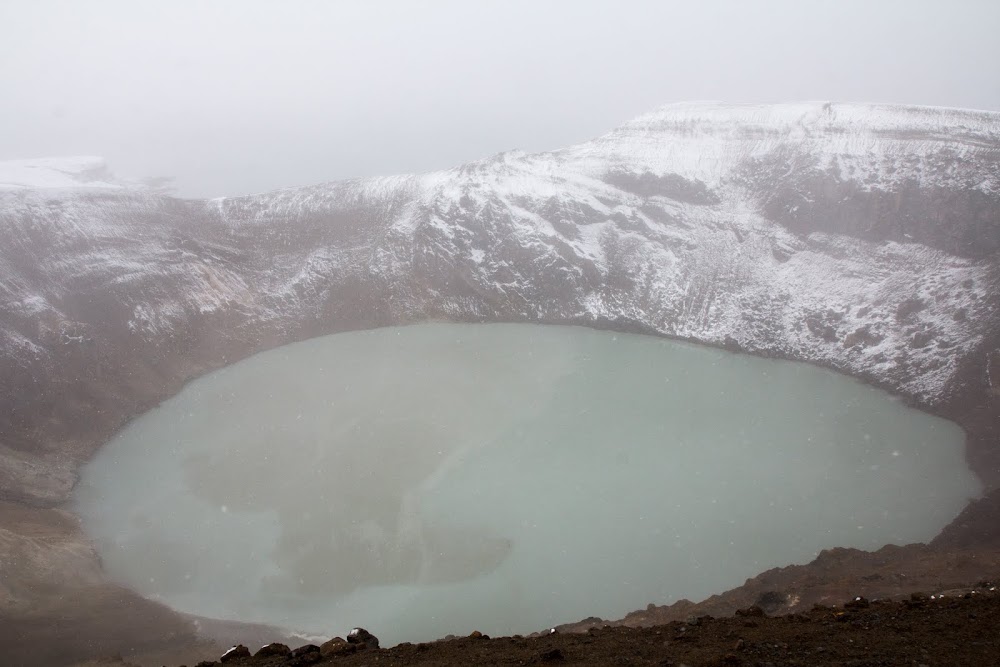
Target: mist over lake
(440, 478)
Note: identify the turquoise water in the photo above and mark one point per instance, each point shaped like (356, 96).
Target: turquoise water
(441, 478)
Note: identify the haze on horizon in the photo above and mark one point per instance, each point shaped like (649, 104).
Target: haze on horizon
(233, 97)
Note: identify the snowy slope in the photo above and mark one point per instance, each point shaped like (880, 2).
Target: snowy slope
(661, 222)
(861, 237)
(877, 145)
(66, 172)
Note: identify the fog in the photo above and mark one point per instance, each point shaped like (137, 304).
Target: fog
(237, 97)
(445, 478)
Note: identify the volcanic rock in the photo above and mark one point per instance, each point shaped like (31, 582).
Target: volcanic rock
(336, 646)
(273, 649)
(359, 636)
(235, 653)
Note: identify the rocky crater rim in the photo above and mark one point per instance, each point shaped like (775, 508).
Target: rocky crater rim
(701, 227)
(862, 238)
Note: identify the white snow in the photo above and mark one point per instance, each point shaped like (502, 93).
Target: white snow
(61, 172)
(514, 225)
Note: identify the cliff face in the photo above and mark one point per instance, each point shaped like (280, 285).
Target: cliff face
(864, 238)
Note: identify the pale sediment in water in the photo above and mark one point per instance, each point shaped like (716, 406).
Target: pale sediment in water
(441, 478)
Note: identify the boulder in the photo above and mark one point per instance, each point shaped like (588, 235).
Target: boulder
(273, 649)
(235, 653)
(337, 646)
(362, 636)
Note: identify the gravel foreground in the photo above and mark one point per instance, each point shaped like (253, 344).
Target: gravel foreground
(961, 627)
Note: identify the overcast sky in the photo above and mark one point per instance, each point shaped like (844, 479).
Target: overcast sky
(244, 96)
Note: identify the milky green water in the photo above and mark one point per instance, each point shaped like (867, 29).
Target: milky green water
(441, 478)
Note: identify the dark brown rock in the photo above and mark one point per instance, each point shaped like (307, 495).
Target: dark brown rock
(362, 636)
(235, 653)
(976, 526)
(303, 650)
(752, 611)
(273, 649)
(337, 646)
(552, 655)
(771, 601)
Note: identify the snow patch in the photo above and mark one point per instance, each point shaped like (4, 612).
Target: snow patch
(62, 172)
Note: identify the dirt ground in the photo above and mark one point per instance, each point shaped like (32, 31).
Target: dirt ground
(960, 628)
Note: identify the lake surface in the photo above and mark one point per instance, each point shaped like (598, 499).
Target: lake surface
(442, 478)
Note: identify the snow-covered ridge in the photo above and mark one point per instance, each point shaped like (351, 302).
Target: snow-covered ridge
(868, 144)
(865, 238)
(865, 144)
(825, 115)
(60, 172)
(697, 190)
